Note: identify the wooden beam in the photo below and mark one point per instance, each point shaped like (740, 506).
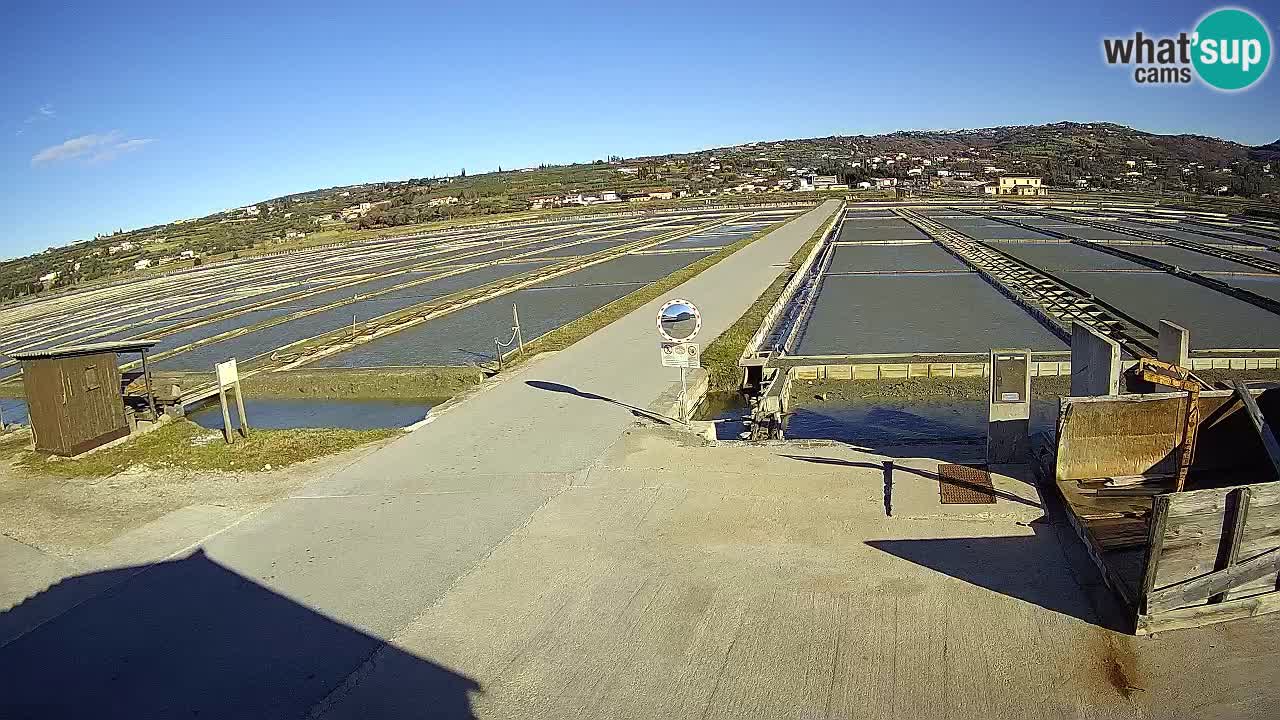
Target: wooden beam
(1269, 442)
(1229, 548)
(1155, 545)
(1198, 589)
(1202, 615)
(151, 396)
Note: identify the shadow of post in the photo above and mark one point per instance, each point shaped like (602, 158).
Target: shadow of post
(568, 390)
(192, 638)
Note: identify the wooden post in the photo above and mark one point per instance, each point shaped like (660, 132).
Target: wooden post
(1159, 518)
(888, 488)
(226, 416)
(151, 396)
(227, 375)
(1233, 533)
(1190, 432)
(244, 421)
(515, 315)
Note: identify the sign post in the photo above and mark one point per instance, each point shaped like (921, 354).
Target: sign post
(229, 378)
(515, 318)
(1009, 406)
(678, 324)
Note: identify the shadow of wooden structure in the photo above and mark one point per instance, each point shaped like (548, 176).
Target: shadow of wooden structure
(76, 395)
(1175, 559)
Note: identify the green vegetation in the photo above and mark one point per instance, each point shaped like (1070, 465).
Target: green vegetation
(13, 443)
(807, 393)
(720, 359)
(426, 383)
(183, 445)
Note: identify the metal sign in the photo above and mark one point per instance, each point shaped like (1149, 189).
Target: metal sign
(1010, 375)
(228, 374)
(681, 355)
(679, 321)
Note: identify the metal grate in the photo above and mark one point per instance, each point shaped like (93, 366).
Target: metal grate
(965, 485)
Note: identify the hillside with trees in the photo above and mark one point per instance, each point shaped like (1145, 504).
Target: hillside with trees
(1093, 156)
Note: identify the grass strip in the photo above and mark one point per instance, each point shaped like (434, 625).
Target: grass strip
(414, 383)
(720, 359)
(185, 445)
(816, 393)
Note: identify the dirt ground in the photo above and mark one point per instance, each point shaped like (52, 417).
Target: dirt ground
(69, 516)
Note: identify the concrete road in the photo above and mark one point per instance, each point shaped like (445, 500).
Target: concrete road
(282, 613)
(680, 581)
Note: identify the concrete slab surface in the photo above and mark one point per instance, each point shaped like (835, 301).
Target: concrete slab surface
(465, 337)
(1216, 320)
(917, 314)
(309, 277)
(1066, 256)
(891, 258)
(1194, 261)
(768, 582)
(1181, 231)
(886, 229)
(991, 230)
(1264, 286)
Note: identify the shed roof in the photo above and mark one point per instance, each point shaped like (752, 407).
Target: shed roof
(90, 349)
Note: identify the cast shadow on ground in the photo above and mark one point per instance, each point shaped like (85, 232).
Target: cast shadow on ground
(897, 469)
(192, 638)
(561, 388)
(1048, 569)
(1038, 569)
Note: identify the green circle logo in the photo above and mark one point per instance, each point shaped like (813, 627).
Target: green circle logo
(1232, 49)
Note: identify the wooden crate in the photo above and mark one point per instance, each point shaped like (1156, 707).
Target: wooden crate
(1174, 559)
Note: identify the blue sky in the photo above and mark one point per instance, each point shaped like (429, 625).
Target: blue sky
(120, 116)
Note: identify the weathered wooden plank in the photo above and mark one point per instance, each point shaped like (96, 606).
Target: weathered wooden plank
(1119, 533)
(1229, 551)
(1155, 546)
(1269, 443)
(1110, 576)
(1213, 501)
(1197, 526)
(1201, 615)
(1199, 589)
(1089, 506)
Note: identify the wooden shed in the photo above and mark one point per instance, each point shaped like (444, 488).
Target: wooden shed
(75, 398)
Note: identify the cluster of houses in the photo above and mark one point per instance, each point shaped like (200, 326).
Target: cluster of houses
(604, 197)
(145, 263)
(1021, 185)
(359, 210)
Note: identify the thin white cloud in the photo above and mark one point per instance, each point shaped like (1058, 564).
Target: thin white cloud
(113, 151)
(95, 147)
(44, 112)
